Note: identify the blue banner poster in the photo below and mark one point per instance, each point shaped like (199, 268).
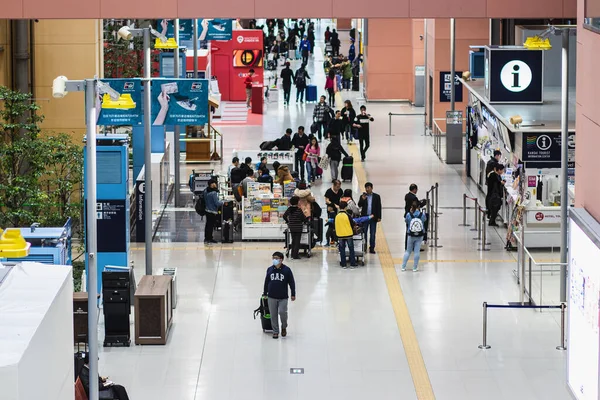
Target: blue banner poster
(179, 102)
(127, 110)
(208, 29)
(215, 29)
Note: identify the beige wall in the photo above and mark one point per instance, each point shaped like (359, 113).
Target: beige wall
(5, 59)
(389, 59)
(71, 48)
(587, 193)
(468, 32)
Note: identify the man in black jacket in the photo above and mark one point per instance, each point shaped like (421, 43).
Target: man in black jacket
(410, 198)
(370, 204)
(294, 217)
(284, 143)
(489, 168)
(107, 389)
(495, 195)
(300, 141)
(279, 276)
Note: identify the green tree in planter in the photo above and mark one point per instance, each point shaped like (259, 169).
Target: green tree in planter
(21, 159)
(61, 181)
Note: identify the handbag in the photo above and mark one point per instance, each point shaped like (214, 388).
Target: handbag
(304, 156)
(324, 163)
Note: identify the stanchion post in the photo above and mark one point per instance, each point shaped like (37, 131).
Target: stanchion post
(476, 220)
(484, 233)
(484, 346)
(479, 224)
(437, 188)
(464, 211)
(562, 327)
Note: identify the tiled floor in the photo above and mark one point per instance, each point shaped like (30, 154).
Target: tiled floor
(343, 329)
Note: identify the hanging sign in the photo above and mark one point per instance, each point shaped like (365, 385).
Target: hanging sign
(514, 75)
(179, 102)
(446, 87)
(127, 110)
(208, 29)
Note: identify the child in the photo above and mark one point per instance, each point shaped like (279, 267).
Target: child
(330, 237)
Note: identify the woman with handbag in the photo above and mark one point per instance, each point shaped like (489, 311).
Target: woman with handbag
(312, 154)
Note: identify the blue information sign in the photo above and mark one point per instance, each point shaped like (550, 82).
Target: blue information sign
(179, 101)
(208, 29)
(127, 110)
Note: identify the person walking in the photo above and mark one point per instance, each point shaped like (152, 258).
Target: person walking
(287, 77)
(415, 231)
(300, 141)
(344, 230)
(313, 152)
(362, 123)
(305, 49)
(321, 116)
(294, 217)
(327, 35)
(348, 116)
(370, 204)
(212, 207)
(279, 277)
(346, 68)
(334, 151)
(495, 185)
(248, 84)
(335, 43)
(300, 79)
(330, 87)
(336, 126)
(310, 36)
(352, 51)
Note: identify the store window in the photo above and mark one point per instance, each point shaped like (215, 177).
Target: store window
(592, 15)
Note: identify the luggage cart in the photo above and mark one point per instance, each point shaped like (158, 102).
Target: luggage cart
(307, 240)
(199, 181)
(360, 248)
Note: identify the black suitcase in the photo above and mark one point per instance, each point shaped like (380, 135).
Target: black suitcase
(347, 168)
(265, 316)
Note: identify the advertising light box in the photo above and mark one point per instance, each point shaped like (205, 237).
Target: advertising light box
(583, 336)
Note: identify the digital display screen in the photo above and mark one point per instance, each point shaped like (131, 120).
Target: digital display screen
(247, 58)
(583, 337)
(109, 168)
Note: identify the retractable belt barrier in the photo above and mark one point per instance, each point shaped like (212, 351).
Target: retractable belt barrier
(562, 307)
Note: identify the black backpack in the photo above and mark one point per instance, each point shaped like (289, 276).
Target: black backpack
(267, 145)
(201, 204)
(300, 78)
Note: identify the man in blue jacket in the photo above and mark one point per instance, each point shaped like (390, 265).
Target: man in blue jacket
(212, 206)
(279, 276)
(305, 49)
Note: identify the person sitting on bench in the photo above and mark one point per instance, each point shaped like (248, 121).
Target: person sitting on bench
(108, 389)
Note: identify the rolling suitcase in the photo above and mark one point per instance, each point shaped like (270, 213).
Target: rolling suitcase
(292, 54)
(347, 168)
(311, 94)
(265, 316)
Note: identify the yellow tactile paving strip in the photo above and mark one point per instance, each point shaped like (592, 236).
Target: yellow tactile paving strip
(419, 374)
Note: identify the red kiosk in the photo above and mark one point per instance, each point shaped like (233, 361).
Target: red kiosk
(231, 60)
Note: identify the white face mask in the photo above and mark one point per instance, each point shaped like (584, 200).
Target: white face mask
(276, 262)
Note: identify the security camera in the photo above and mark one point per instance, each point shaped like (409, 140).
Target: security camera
(125, 33)
(59, 87)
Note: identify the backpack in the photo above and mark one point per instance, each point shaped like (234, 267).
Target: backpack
(314, 128)
(201, 204)
(300, 79)
(238, 192)
(415, 226)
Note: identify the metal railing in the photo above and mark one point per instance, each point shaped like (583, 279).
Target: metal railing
(479, 222)
(432, 197)
(390, 115)
(485, 345)
(215, 139)
(526, 274)
(437, 134)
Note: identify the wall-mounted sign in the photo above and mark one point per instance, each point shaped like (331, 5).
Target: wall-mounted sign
(179, 102)
(543, 150)
(127, 110)
(514, 75)
(208, 29)
(446, 87)
(112, 218)
(454, 117)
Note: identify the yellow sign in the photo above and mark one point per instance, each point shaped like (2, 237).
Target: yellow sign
(12, 244)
